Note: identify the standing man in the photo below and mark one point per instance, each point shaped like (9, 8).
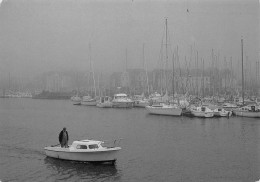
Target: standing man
(64, 138)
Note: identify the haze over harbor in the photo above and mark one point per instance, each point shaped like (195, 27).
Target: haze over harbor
(45, 35)
(174, 83)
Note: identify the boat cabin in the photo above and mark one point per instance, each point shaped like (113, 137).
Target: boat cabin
(86, 145)
(105, 99)
(120, 96)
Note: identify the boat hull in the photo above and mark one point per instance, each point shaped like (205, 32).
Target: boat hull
(229, 108)
(89, 103)
(142, 104)
(247, 114)
(222, 114)
(105, 105)
(123, 104)
(203, 114)
(97, 156)
(164, 111)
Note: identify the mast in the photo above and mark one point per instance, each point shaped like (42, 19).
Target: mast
(146, 73)
(126, 74)
(166, 52)
(212, 75)
(91, 71)
(197, 74)
(173, 74)
(231, 75)
(242, 71)
(126, 60)
(225, 73)
(203, 85)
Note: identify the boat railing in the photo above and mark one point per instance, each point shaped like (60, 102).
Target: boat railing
(112, 143)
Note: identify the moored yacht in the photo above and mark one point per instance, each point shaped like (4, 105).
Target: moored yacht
(164, 109)
(220, 112)
(121, 100)
(76, 100)
(88, 101)
(251, 111)
(229, 107)
(105, 102)
(155, 98)
(140, 101)
(202, 111)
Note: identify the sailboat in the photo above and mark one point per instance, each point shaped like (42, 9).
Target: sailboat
(251, 111)
(88, 100)
(76, 99)
(165, 108)
(140, 100)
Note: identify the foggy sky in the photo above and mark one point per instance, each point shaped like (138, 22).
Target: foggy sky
(45, 35)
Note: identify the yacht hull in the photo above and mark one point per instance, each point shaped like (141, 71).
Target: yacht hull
(123, 104)
(248, 114)
(164, 111)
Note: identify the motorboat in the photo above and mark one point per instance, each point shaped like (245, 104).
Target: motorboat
(229, 107)
(105, 102)
(76, 100)
(164, 109)
(220, 112)
(86, 151)
(251, 111)
(121, 100)
(88, 101)
(202, 111)
(140, 101)
(155, 98)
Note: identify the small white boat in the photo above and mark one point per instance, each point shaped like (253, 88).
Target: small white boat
(250, 111)
(88, 101)
(122, 101)
(202, 111)
(156, 98)
(229, 107)
(164, 109)
(85, 151)
(105, 102)
(76, 100)
(220, 112)
(140, 101)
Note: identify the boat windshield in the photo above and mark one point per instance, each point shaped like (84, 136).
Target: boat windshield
(82, 147)
(93, 146)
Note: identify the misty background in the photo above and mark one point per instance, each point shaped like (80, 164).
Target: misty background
(38, 36)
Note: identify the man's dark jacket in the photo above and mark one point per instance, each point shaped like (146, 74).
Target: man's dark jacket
(61, 135)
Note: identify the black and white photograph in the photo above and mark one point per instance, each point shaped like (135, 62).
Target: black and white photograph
(129, 90)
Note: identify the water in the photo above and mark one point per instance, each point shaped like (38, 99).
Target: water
(155, 148)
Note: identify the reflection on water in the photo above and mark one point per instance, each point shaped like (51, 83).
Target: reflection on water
(80, 170)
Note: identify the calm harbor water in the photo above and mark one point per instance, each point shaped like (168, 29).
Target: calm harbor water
(155, 148)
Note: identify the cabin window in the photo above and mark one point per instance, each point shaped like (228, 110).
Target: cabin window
(94, 146)
(203, 109)
(82, 147)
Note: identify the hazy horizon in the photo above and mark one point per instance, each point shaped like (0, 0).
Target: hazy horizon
(44, 35)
